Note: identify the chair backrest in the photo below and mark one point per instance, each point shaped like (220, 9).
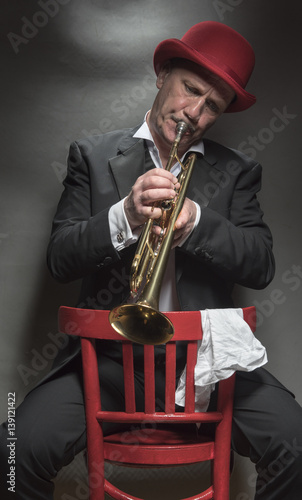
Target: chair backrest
(94, 324)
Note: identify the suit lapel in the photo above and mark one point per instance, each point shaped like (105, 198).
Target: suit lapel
(129, 164)
(205, 178)
(202, 188)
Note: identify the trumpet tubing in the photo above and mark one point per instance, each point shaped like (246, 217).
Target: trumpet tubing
(139, 319)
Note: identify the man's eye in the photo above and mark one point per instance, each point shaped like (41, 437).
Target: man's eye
(212, 106)
(191, 90)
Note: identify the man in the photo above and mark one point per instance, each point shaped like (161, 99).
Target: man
(220, 239)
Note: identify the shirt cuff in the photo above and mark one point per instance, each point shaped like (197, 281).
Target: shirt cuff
(120, 231)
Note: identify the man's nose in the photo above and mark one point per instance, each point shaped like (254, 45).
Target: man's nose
(195, 109)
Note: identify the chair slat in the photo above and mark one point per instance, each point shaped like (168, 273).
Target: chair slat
(160, 417)
(190, 369)
(149, 379)
(170, 377)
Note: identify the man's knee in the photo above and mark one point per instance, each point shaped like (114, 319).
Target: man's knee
(290, 444)
(30, 450)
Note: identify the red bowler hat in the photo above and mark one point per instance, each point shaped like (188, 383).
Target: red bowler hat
(218, 48)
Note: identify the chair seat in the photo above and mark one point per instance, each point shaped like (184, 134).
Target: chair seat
(151, 446)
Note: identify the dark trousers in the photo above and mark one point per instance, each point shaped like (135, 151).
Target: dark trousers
(50, 429)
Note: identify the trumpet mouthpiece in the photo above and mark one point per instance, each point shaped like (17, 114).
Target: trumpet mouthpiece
(181, 127)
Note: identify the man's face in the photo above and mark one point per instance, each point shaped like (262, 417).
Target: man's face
(190, 93)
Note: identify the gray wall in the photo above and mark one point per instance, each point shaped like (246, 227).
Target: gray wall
(72, 68)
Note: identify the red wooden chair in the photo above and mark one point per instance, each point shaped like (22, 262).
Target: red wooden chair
(162, 447)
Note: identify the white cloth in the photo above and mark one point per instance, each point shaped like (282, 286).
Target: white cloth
(228, 345)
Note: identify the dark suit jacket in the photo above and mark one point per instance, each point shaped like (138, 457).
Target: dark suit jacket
(231, 244)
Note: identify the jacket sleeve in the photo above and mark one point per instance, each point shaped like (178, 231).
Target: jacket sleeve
(80, 241)
(235, 242)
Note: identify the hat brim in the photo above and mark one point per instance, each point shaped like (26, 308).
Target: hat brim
(174, 48)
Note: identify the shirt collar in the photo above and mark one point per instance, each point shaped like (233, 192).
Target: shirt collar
(144, 133)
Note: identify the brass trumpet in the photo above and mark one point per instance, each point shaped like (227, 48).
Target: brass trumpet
(138, 319)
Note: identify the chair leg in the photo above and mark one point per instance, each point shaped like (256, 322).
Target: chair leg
(95, 446)
(95, 452)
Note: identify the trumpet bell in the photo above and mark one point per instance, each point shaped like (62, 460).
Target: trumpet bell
(141, 323)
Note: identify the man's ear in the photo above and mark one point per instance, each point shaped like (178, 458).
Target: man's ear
(163, 73)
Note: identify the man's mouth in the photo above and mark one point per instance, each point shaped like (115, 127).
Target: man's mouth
(191, 128)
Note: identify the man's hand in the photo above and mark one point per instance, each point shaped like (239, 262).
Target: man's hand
(185, 222)
(155, 185)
